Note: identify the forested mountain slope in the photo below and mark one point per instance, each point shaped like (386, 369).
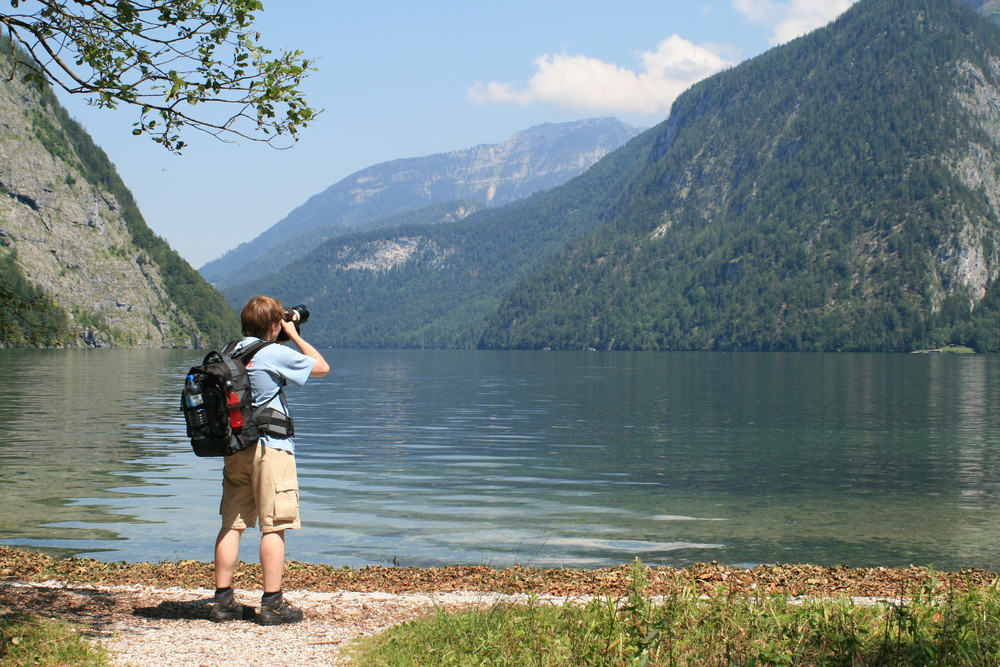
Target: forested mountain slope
(840, 192)
(535, 159)
(78, 265)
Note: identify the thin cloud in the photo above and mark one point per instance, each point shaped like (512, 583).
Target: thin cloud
(791, 18)
(580, 82)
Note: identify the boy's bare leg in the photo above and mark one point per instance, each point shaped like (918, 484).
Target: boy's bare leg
(272, 559)
(227, 554)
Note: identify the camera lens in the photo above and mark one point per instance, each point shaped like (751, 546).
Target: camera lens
(300, 310)
(289, 316)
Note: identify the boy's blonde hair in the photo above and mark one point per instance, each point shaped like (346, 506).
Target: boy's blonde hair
(259, 314)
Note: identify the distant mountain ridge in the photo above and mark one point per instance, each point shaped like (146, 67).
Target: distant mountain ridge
(487, 175)
(434, 286)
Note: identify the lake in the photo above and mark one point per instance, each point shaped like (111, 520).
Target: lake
(538, 458)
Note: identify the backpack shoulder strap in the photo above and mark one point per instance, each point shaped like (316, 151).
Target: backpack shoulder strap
(246, 353)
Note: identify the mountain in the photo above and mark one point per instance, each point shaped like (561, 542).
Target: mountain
(78, 265)
(840, 192)
(414, 286)
(535, 159)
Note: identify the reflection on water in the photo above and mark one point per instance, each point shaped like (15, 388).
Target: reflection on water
(76, 427)
(537, 458)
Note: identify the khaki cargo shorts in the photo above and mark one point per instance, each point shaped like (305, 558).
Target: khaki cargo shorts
(260, 482)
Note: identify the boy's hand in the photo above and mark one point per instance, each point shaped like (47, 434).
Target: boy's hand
(289, 328)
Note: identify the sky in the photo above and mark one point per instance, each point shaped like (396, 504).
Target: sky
(398, 79)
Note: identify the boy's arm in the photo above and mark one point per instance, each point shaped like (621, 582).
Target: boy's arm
(320, 368)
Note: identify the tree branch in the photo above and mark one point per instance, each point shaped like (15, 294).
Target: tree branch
(212, 61)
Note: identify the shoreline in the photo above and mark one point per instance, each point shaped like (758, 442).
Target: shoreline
(788, 579)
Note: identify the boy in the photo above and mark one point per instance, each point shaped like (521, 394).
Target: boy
(260, 483)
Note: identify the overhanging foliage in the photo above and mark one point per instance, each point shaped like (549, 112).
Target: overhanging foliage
(183, 63)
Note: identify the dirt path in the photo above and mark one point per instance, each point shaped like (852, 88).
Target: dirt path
(151, 626)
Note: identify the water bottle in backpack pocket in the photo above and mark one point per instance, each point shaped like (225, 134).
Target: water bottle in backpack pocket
(193, 405)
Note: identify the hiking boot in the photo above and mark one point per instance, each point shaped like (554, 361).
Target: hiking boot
(278, 612)
(228, 609)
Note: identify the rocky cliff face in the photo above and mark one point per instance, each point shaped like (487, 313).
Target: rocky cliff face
(972, 261)
(69, 237)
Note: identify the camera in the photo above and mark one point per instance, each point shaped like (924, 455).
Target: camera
(290, 313)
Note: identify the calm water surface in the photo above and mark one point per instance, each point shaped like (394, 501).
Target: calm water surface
(545, 459)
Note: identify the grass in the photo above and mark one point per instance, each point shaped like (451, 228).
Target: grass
(27, 639)
(948, 349)
(726, 627)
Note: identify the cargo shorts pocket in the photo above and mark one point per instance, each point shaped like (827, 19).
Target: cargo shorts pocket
(286, 501)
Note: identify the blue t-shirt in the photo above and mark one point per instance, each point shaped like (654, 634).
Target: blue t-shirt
(269, 369)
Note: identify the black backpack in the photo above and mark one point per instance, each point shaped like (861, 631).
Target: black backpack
(217, 403)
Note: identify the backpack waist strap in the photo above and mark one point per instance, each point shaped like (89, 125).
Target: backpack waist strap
(274, 423)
